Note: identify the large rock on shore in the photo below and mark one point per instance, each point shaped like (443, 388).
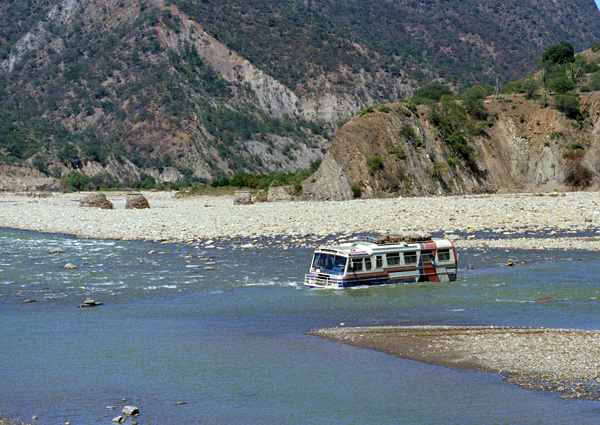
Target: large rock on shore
(280, 193)
(97, 200)
(136, 201)
(242, 197)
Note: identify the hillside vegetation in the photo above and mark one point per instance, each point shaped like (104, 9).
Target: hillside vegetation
(120, 90)
(540, 133)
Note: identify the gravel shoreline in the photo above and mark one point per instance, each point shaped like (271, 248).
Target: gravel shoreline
(565, 361)
(527, 221)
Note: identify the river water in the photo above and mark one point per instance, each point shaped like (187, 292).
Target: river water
(218, 336)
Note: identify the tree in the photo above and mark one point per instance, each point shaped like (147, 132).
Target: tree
(432, 93)
(560, 53)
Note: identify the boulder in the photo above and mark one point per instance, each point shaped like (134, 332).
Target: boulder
(242, 197)
(97, 200)
(89, 303)
(280, 193)
(57, 251)
(136, 201)
(130, 411)
(70, 266)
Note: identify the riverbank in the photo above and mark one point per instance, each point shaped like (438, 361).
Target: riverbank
(535, 358)
(528, 221)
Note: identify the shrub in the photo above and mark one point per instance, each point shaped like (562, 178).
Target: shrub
(559, 82)
(385, 109)
(432, 93)
(398, 151)
(576, 174)
(69, 156)
(75, 181)
(356, 191)
(595, 81)
(530, 87)
(144, 182)
(568, 104)
(41, 164)
(367, 110)
(374, 164)
(409, 133)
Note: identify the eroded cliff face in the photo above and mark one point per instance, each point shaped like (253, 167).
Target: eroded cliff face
(523, 146)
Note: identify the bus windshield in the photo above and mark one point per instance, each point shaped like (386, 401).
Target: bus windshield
(328, 263)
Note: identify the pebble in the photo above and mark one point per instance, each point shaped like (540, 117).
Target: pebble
(185, 218)
(559, 360)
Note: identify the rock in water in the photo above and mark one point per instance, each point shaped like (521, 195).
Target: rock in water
(56, 251)
(136, 201)
(131, 411)
(97, 200)
(89, 303)
(70, 266)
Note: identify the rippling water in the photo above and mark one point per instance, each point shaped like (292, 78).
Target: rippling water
(224, 330)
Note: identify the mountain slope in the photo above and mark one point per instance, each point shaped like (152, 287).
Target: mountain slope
(209, 88)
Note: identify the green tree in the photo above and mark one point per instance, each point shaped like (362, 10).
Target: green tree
(432, 93)
(559, 54)
(75, 181)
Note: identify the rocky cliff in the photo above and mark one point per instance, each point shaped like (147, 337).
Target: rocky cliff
(522, 146)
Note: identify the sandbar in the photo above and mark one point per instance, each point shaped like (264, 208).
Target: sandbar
(566, 361)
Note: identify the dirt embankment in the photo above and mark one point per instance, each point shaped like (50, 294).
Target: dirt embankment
(521, 146)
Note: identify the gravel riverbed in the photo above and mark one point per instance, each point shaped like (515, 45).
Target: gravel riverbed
(528, 221)
(566, 361)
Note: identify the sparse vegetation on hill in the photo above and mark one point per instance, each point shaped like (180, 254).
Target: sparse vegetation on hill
(143, 87)
(529, 134)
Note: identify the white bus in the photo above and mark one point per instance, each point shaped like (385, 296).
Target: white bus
(382, 260)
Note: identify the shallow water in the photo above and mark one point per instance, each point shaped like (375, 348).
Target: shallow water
(225, 332)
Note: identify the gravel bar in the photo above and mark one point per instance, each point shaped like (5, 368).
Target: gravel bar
(566, 361)
(566, 220)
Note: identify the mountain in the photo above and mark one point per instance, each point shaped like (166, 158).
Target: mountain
(186, 89)
(538, 134)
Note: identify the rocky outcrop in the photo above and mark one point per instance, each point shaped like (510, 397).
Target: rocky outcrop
(97, 200)
(523, 146)
(329, 183)
(22, 178)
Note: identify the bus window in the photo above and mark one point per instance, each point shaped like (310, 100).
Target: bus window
(443, 255)
(379, 261)
(357, 265)
(410, 258)
(393, 259)
(368, 265)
